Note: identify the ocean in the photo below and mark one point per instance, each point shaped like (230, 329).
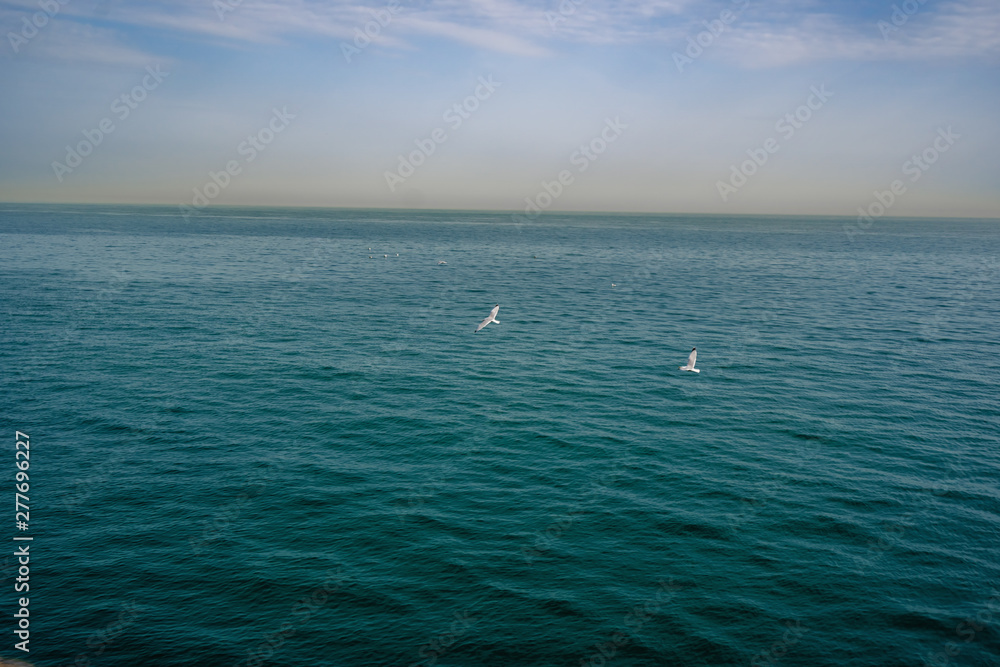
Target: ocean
(264, 436)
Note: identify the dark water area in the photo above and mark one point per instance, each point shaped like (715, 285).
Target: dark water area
(261, 437)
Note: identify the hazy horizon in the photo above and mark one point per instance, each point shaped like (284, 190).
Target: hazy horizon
(656, 106)
(514, 212)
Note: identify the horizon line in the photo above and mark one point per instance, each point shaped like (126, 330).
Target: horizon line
(511, 212)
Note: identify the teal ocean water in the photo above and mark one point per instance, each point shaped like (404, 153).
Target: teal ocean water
(253, 444)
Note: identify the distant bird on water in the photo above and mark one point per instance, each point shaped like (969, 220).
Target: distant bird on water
(491, 318)
(691, 359)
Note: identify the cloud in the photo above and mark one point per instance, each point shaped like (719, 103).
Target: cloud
(489, 39)
(776, 34)
(72, 42)
(970, 29)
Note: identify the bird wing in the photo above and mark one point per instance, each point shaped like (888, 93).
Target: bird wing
(490, 318)
(691, 358)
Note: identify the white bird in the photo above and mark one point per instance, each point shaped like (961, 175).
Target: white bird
(691, 360)
(491, 318)
(442, 263)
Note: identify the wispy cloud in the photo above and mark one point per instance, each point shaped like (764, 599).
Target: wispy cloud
(493, 40)
(954, 29)
(767, 35)
(69, 41)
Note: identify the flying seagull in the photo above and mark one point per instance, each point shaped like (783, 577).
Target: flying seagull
(491, 318)
(690, 363)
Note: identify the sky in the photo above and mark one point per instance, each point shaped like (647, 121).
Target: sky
(672, 106)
